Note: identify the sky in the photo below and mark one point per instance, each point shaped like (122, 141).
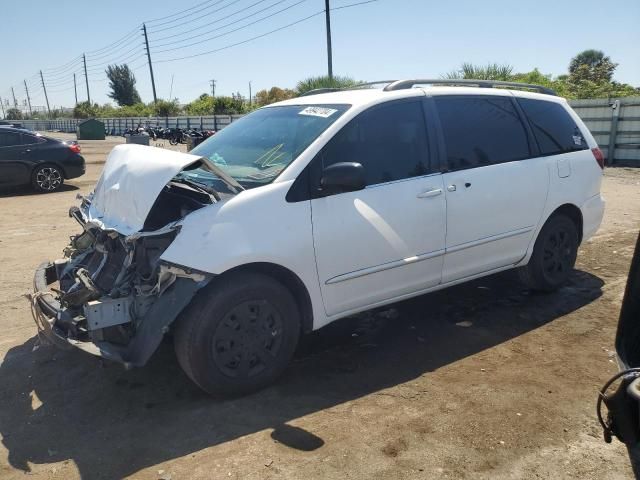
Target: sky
(384, 39)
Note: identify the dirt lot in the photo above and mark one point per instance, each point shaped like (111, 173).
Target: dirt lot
(509, 395)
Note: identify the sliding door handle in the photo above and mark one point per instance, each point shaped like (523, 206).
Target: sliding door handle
(430, 193)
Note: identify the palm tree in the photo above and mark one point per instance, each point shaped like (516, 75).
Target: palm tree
(591, 58)
(313, 83)
(492, 71)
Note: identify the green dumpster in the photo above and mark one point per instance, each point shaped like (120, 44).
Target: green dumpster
(90, 129)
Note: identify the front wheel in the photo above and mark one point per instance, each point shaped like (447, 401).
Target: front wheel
(238, 335)
(554, 255)
(47, 178)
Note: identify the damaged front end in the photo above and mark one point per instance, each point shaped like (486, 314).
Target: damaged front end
(111, 294)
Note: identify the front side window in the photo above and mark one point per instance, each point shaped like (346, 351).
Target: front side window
(257, 148)
(554, 129)
(390, 142)
(481, 130)
(9, 139)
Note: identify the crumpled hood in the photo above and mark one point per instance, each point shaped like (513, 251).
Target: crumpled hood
(132, 179)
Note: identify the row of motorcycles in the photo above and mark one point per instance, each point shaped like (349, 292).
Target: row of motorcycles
(174, 135)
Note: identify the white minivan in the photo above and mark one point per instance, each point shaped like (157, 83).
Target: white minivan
(314, 209)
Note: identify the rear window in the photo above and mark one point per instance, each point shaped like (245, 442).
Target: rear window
(554, 129)
(482, 130)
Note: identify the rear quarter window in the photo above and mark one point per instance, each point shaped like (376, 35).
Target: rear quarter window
(554, 129)
(32, 139)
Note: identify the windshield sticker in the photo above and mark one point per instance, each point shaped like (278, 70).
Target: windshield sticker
(318, 112)
(577, 139)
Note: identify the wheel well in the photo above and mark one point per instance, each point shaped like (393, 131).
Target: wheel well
(574, 213)
(291, 281)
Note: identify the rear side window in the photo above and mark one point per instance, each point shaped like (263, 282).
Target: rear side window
(481, 130)
(554, 129)
(390, 142)
(31, 139)
(9, 139)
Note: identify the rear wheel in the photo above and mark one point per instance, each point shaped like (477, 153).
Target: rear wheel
(238, 335)
(554, 255)
(47, 178)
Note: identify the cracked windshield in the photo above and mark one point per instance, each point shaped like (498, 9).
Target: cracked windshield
(255, 149)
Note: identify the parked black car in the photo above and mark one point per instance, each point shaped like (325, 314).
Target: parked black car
(30, 158)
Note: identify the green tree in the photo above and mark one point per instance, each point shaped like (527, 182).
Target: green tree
(203, 105)
(491, 71)
(86, 110)
(165, 108)
(594, 64)
(313, 83)
(13, 114)
(274, 94)
(122, 83)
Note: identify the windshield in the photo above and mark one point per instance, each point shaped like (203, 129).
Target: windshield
(257, 148)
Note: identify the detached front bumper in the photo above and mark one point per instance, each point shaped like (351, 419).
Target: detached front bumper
(50, 315)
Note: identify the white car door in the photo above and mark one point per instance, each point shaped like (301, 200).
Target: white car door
(387, 240)
(496, 188)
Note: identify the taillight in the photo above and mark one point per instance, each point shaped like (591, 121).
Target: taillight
(599, 156)
(74, 147)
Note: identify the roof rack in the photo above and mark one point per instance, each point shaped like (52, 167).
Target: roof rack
(406, 84)
(318, 91)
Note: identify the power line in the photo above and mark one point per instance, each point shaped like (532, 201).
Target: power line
(187, 15)
(195, 20)
(261, 35)
(117, 42)
(62, 67)
(232, 31)
(190, 15)
(192, 29)
(244, 41)
(112, 53)
(131, 58)
(173, 14)
(232, 23)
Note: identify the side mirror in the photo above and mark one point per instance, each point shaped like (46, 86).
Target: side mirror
(343, 177)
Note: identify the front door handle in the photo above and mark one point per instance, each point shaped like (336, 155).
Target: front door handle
(27, 150)
(430, 193)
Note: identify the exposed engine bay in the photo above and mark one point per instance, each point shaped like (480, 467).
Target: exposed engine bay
(111, 294)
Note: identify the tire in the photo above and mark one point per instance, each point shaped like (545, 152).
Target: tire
(47, 178)
(554, 255)
(238, 335)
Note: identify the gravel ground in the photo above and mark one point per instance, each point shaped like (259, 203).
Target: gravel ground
(507, 393)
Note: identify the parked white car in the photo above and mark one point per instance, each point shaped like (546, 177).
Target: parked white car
(314, 209)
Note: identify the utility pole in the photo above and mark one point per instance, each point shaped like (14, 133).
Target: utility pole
(86, 77)
(75, 88)
(250, 97)
(153, 82)
(28, 99)
(2, 105)
(327, 12)
(171, 89)
(213, 88)
(45, 93)
(15, 102)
